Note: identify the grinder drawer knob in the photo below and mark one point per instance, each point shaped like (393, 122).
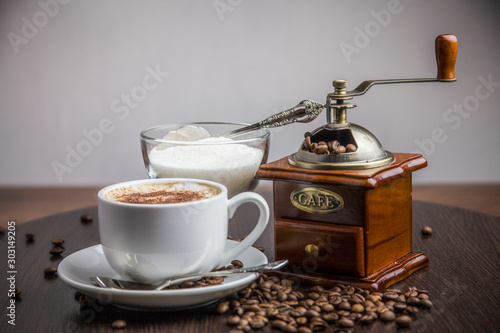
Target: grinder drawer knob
(311, 250)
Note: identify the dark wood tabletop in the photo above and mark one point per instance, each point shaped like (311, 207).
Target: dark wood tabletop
(463, 277)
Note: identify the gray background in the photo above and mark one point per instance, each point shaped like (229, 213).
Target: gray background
(65, 67)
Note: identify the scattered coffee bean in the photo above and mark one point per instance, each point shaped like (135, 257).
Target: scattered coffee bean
(412, 292)
(30, 237)
(366, 319)
(236, 263)
(257, 324)
(413, 301)
(425, 303)
(290, 329)
(17, 292)
(374, 298)
(401, 298)
(233, 320)
(187, 284)
(304, 329)
(412, 310)
(330, 317)
(426, 231)
(50, 270)
(399, 307)
(313, 295)
(86, 218)
(387, 316)
(223, 307)
(239, 311)
(357, 308)
(317, 324)
(57, 242)
(56, 250)
(327, 308)
(311, 314)
(344, 306)
(390, 296)
(119, 324)
(403, 321)
(345, 322)
(279, 324)
(212, 280)
(243, 325)
(355, 316)
(423, 296)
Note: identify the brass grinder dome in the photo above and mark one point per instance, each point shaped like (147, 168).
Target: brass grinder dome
(369, 153)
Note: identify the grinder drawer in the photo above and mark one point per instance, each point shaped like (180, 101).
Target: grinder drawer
(317, 247)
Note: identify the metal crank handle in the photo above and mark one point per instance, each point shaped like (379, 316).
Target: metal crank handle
(446, 55)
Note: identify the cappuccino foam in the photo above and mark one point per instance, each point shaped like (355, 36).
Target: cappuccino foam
(162, 193)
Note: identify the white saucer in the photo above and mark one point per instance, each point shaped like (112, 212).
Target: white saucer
(76, 269)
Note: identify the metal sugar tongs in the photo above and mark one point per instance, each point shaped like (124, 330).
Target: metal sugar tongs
(304, 112)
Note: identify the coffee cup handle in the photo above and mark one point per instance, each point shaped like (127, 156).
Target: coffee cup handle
(233, 205)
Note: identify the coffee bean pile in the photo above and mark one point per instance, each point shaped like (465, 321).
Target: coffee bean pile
(274, 301)
(329, 148)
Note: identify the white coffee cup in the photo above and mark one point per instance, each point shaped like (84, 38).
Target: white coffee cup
(153, 242)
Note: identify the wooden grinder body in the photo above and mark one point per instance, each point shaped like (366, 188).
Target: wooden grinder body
(350, 226)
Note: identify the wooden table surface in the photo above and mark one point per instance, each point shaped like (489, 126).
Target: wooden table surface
(24, 204)
(463, 277)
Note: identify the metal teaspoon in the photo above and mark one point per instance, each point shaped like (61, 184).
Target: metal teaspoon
(106, 282)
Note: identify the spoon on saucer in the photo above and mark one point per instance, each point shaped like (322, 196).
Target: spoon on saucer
(107, 282)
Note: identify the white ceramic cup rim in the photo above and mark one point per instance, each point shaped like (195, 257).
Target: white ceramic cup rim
(147, 181)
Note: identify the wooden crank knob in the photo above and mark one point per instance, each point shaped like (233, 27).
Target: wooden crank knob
(446, 56)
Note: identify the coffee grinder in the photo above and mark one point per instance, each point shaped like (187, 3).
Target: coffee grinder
(344, 215)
